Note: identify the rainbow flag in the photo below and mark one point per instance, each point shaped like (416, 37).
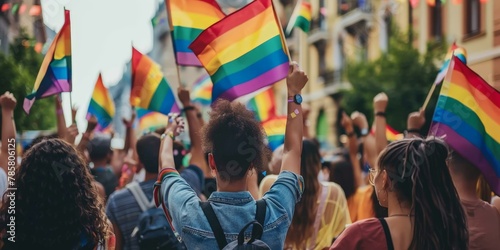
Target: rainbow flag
(301, 18)
(101, 105)
(390, 133)
(150, 120)
(150, 89)
(263, 105)
(188, 18)
(54, 76)
(459, 52)
(243, 52)
(275, 131)
(468, 116)
(202, 91)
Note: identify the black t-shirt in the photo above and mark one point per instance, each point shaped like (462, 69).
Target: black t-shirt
(106, 177)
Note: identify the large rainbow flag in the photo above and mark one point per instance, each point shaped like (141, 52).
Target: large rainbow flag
(188, 18)
(468, 116)
(54, 76)
(459, 52)
(243, 52)
(150, 120)
(202, 91)
(301, 17)
(101, 105)
(150, 89)
(263, 105)
(275, 131)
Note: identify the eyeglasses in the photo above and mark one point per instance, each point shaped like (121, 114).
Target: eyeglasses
(371, 175)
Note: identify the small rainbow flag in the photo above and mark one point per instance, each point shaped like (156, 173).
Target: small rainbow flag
(263, 105)
(243, 52)
(188, 18)
(390, 133)
(150, 89)
(202, 91)
(301, 17)
(101, 106)
(459, 52)
(150, 120)
(275, 131)
(467, 115)
(54, 76)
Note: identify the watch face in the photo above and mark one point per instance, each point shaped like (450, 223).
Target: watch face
(298, 99)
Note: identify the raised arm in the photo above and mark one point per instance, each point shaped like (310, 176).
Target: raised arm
(414, 123)
(91, 124)
(8, 103)
(295, 81)
(348, 126)
(379, 105)
(174, 128)
(197, 156)
(71, 131)
(61, 122)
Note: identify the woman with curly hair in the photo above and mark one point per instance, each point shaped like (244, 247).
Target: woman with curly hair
(56, 205)
(412, 180)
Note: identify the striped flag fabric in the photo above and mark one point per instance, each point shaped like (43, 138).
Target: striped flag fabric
(150, 120)
(101, 106)
(54, 76)
(459, 52)
(275, 131)
(243, 52)
(188, 18)
(202, 91)
(467, 115)
(263, 105)
(150, 89)
(301, 18)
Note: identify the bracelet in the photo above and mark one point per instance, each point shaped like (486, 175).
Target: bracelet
(413, 130)
(294, 113)
(364, 132)
(169, 134)
(380, 114)
(351, 134)
(187, 108)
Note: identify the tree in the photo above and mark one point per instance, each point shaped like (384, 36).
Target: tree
(17, 75)
(404, 74)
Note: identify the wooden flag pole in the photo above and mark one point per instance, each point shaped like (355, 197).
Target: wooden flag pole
(283, 38)
(429, 95)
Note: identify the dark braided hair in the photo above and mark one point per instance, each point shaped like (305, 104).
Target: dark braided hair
(419, 175)
(56, 203)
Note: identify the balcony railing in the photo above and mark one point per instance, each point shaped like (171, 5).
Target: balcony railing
(345, 6)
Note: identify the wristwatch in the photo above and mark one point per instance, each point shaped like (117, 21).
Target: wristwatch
(296, 98)
(364, 132)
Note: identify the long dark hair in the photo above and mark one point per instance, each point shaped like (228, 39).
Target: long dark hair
(301, 228)
(419, 175)
(56, 203)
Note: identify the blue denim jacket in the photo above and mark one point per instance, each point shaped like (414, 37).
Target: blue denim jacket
(233, 209)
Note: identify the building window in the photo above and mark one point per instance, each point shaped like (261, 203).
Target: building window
(436, 21)
(472, 17)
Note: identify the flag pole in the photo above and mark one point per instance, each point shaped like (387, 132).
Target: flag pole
(171, 27)
(281, 32)
(429, 95)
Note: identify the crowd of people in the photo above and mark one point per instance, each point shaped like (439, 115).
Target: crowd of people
(413, 193)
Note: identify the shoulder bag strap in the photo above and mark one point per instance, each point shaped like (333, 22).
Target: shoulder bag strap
(387, 232)
(319, 214)
(214, 223)
(139, 196)
(260, 216)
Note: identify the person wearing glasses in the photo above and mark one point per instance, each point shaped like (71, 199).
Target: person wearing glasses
(412, 180)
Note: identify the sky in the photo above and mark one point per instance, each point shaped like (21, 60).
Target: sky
(102, 32)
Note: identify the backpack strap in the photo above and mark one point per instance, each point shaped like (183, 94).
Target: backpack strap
(260, 216)
(214, 223)
(139, 196)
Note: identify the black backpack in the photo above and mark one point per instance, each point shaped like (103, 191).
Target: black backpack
(153, 230)
(257, 230)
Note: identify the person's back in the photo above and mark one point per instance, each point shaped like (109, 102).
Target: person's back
(99, 149)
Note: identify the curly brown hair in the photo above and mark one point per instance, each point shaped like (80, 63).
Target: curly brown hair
(56, 203)
(235, 139)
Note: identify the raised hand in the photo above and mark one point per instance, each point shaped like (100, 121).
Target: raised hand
(296, 79)
(175, 124)
(184, 96)
(416, 120)
(92, 123)
(346, 122)
(380, 102)
(359, 120)
(130, 122)
(8, 101)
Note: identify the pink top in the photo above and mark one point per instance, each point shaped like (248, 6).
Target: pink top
(367, 234)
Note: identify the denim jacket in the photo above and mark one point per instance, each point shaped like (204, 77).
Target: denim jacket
(233, 209)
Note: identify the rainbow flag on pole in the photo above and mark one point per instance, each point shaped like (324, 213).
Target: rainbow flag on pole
(202, 91)
(459, 52)
(301, 17)
(101, 105)
(150, 89)
(54, 76)
(243, 52)
(275, 131)
(188, 18)
(263, 105)
(150, 120)
(468, 116)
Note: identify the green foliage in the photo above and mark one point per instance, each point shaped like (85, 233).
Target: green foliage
(18, 71)
(402, 73)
